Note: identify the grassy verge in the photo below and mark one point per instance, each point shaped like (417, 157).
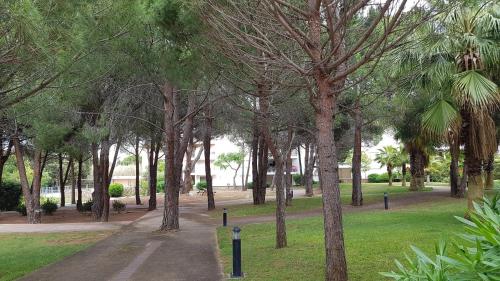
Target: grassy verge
(22, 253)
(371, 193)
(373, 240)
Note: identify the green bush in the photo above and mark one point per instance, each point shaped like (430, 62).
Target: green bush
(116, 190)
(378, 178)
(10, 193)
(160, 185)
(201, 185)
(298, 179)
(49, 207)
(21, 208)
(118, 206)
(476, 255)
(87, 206)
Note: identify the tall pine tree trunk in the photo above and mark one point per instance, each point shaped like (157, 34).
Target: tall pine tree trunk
(61, 181)
(207, 138)
(288, 170)
(31, 193)
(336, 266)
(188, 183)
(137, 173)
(357, 193)
(153, 153)
(79, 183)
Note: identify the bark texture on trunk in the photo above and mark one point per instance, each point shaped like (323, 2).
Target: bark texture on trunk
(357, 193)
(417, 169)
(259, 159)
(61, 181)
(31, 193)
(488, 170)
(188, 183)
(137, 172)
(176, 146)
(79, 183)
(100, 196)
(403, 173)
(207, 138)
(455, 153)
(336, 266)
(153, 154)
(389, 173)
(463, 183)
(310, 160)
(73, 184)
(288, 170)
(279, 178)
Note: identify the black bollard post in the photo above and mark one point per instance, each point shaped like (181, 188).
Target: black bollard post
(224, 217)
(386, 201)
(236, 253)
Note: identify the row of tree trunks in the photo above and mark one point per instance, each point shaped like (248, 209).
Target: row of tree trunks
(357, 193)
(207, 138)
(31, 193)
(176, 146)
(153, 154)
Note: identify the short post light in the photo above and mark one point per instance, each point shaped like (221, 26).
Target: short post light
(224, 218)
(386, 201)
(236, 253)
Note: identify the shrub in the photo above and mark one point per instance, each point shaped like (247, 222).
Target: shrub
(201, 185)
(49, 207)
(378, 178)
(160, 185)
(476, 256)
(10, 193)
(118, 206)
(144, 188)
(116, 190)
(87, 206)
(21, 208)
(298, 179)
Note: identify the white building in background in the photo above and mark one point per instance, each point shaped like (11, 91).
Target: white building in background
(224, 178)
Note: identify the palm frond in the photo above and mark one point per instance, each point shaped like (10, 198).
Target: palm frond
(439, 117)
(474, 90)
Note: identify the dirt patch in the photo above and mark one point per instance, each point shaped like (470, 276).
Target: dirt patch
(73, 216)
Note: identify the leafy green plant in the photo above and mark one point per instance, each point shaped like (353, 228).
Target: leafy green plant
(476, 255)
(116, 190)
(118, 206)
(49, 206)
(10, 193)
(201, 185)
(87, 206)
(298, 179)
(21, 208)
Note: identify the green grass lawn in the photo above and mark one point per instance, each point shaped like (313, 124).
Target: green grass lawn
(372, 239)
(22, 253)
(371, 193)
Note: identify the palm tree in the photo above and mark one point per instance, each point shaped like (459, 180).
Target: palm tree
(456, 58)
(387, 156)
(402, 160)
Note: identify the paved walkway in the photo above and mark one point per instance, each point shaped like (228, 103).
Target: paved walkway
(138, 252)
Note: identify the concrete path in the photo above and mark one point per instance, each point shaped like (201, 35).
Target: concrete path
(138, 252)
